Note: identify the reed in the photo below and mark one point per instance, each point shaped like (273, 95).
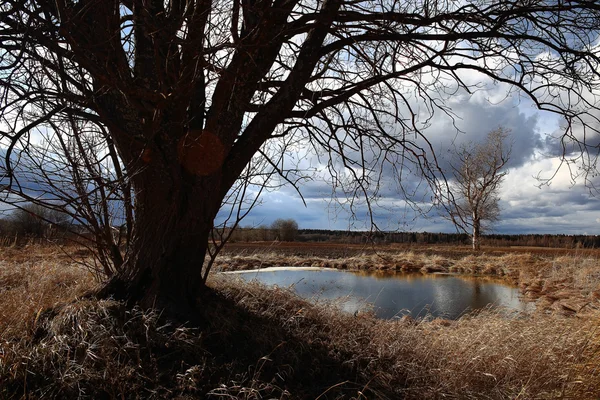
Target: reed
(251, 342)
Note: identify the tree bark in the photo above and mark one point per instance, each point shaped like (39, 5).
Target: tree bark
(476, 233)
(174, 214)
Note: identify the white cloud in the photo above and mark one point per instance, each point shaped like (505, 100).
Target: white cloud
(562, 207)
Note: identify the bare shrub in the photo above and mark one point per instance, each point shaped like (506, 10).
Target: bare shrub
(285, 229)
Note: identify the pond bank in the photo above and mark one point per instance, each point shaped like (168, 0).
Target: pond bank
(393, 295)
(567, 284)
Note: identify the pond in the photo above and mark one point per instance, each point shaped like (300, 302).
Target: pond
(394, 294)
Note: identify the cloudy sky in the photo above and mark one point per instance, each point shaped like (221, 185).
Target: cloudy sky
(563, 206)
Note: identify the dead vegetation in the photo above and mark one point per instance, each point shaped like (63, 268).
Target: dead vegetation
(34, 279)
(253, 343)
(483, 355)
(397, 261)
(565, 283)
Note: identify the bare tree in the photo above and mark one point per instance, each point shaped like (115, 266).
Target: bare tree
(73, 169)
(285, 229)
(37, 221)
(478, 170)
(189, 93)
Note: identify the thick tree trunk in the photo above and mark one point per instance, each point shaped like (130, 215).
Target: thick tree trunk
(173, 219)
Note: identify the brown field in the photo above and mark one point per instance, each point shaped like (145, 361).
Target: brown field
(340, 249)
(251, 342)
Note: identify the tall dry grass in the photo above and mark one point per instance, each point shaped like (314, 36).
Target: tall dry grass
(482, 355)
(251, 342)
(397, 261)
(34, 279)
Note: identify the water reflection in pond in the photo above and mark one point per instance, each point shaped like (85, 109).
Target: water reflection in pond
(395, 294)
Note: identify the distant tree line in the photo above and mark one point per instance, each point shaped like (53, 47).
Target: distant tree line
(320, 235)
(34, 221)
(285, 230)
(545, 240)
(267, 233)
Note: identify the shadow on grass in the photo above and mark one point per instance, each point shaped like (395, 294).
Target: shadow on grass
(238, 345)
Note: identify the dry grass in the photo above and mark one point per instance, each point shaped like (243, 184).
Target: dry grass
(568, 284)
(483, 355)
(564, 283)
(488, 356)
(34, 279)
(396, 261)
(255, 343)
(408, 261)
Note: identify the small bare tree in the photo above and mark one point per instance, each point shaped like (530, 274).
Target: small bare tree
(72, 169)
(36, 221)
(472, 202)
(285, 229)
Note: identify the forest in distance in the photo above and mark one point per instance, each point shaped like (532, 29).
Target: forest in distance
(382, 237)
(33, 224)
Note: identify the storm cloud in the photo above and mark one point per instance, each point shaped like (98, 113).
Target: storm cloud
(528, 206)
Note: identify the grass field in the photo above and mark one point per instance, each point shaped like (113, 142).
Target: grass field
(253, 343)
